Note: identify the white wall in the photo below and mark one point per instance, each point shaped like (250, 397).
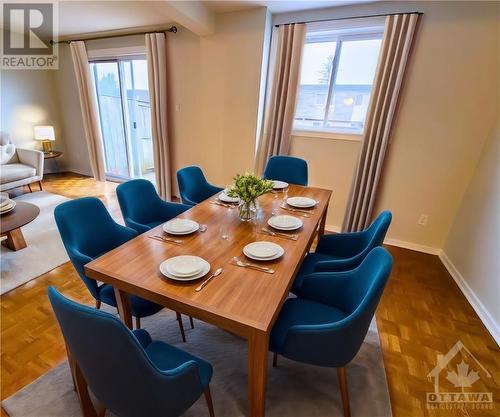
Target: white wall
(447, 108)
(214, 82)
(27, 99)
(472, 249)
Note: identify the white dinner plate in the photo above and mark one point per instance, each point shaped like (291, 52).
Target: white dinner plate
(279, 185)
(180, 226)
(226, 199)
(263, 251)
(166, 268)
(285, 222)
(301, 202)
(4, 199)
(8, 207)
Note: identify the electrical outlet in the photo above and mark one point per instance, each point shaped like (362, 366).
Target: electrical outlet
(422, 220)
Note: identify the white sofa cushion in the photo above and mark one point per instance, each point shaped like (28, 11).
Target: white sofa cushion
(15, 172)
(7, 152)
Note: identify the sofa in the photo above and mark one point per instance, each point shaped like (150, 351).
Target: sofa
(18, 166)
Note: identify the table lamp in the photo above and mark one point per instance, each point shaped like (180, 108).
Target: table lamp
(46, 135)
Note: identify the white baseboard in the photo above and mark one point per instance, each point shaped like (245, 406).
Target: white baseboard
(483, 313)
(332, 228)
(396, 242)
(413, 246)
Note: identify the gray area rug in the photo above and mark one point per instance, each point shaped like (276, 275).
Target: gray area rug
(293, 389)
(45, 249)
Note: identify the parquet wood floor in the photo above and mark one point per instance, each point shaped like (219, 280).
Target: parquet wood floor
(422, 314)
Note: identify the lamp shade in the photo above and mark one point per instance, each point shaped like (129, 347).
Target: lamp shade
(44, 133)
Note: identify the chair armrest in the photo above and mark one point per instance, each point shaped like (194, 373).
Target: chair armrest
(335, 343)
(140, 228)
(174, 209)
(214, 189)
(339, 265)
(32, 158)
(344, 245)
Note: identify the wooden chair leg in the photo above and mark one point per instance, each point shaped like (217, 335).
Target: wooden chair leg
(181, 327)
(98, 304)
(137, 322)
(29, 188)
(40, 185)
(86, 405)
(275, 360)
(101, 410)
(192, 322)
(210, 405)
(71, 367)
(343, 391)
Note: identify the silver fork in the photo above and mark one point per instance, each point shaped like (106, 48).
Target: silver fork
(220, 203)
(203, 228)
(166, 239)
(238, 262)
(270, 232)
(299, 212)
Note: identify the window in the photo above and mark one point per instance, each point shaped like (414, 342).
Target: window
(338, 67)
(124, 110)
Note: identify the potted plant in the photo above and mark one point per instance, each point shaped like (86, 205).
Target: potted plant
(248, 188)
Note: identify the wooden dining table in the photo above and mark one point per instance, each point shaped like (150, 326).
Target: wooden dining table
(243, 301)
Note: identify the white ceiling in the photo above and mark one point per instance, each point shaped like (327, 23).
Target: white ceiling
(276, 6)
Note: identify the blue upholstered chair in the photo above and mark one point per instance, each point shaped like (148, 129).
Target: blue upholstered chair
(327, 324)
(287, 168)
(88, 231)
(343, 251)
(128, 373)
(193, 186)
(141, 206)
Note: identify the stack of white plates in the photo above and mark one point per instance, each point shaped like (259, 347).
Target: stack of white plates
(279, 185)
(301, 202)
(6, 204)
(285, 222)
(180, 226)
(263, 251)
(226, 199)
(185, 268)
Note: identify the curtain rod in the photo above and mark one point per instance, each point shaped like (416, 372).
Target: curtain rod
(349, 18)
(172, 29)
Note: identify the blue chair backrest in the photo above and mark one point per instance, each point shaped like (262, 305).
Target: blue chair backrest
(116, 367)
(287, 168)
(88, 231)
(193, 186)
(338, 342)
(375, 234)
(139, 201)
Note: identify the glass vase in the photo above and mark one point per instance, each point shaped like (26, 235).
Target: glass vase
(247, 210)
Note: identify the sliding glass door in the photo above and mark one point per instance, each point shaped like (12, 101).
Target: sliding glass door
(124, 110)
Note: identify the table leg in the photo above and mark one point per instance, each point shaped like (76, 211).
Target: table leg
(15, 240)
(123, 304)
(321, 229)
(258, 346)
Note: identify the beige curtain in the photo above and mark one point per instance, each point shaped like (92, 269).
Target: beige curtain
(394, 52)
(89, 109)
(286, 52)
(157, 79)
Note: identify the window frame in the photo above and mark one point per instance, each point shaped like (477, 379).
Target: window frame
(339, 37)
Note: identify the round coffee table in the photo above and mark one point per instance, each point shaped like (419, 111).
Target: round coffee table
(11, 223)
